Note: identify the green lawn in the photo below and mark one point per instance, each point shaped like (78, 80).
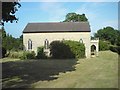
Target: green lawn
(97, 72)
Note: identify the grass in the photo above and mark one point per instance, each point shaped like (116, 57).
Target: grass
(97, 72)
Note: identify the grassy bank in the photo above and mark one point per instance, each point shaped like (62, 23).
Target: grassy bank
(97, 72)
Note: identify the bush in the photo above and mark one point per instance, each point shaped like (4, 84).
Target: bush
(40, 53)
(115, 49)
(59, 50)
(118, 48)
(77, 48)
(103, 45)
(15, 54)
(28, 55)
(4, 51)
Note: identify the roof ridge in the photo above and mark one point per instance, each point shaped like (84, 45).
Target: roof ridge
(57, 27)
(57, 22)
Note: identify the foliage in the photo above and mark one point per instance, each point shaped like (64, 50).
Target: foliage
(28, 55)
(77, 48)
(103, 45)
(15, 54)
(4, 51)
(115, 49)
(40, 53)
(118, 39)
(108, 34)
(8, 11)
(11, 43)
(59, 50)
(67, 49)
(75, 17)
(118, 49)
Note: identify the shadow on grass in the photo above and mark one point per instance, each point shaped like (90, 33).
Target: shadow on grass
(21, 74)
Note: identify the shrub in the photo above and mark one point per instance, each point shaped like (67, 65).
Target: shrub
(28, 55)
(103, 45)
(59, 50)
(40, 53)
(115, 49)
(118, 48)
(15, 54)
(4, 51)
(77, 48)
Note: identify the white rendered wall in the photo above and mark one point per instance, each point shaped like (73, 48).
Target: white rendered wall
(39, 38)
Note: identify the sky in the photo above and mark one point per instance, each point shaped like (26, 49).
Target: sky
(99, 14)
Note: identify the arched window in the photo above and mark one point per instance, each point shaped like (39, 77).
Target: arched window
(81, 41)
(29, 44)
(46, 44)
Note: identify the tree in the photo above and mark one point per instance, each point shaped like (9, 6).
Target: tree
(118, 39)
(108, 34)
(103, 45)
(8, 11)
(11, 43)
(73, 17)
(3, 37)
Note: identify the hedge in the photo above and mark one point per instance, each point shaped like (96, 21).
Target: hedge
(76, 47)
(67, 49)
(59, 50)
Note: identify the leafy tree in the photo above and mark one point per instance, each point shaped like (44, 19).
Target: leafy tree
(108, 34)
(11, 43)
(3, 37)
(118, 39)
(103, 45)
(8, 11)
(73, 17)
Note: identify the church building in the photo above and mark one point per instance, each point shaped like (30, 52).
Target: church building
(42, 34)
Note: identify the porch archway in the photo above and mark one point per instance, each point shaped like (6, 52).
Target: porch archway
(93, 50)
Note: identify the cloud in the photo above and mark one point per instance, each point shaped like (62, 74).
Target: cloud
(55, 11)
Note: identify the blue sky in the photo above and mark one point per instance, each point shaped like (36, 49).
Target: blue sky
(99, 14)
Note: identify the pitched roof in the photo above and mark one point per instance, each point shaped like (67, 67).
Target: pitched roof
(57, 27)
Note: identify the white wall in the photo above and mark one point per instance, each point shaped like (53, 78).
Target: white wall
(39, 38)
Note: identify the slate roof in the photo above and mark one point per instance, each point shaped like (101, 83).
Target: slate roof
(57, 27)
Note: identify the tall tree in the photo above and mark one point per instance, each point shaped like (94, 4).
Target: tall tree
(109, 34)
(73, 17)
(11, 43)
(118, 40)
(3, 37)
(8, 11)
